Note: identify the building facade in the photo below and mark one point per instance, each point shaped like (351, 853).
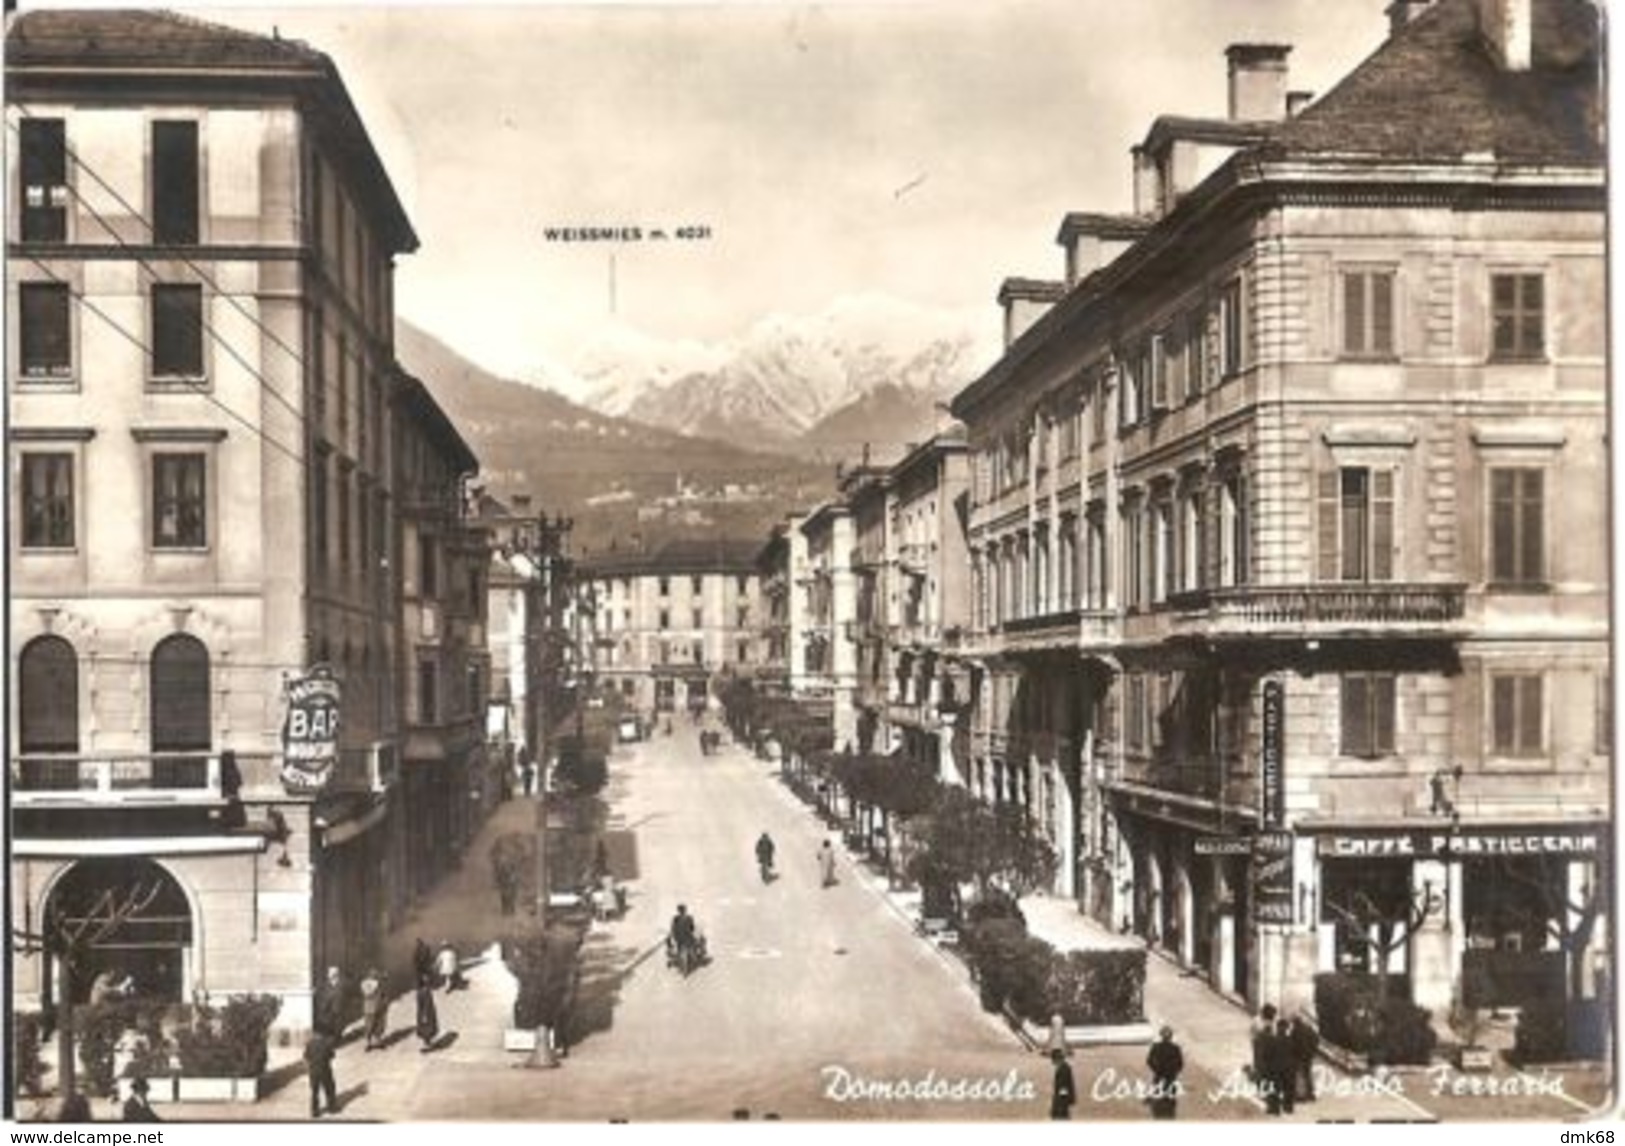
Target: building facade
(201, 395)
(1265, 516)
(666, 625)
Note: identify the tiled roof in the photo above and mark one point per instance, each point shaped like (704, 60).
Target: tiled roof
(125, 38)
(1435, 92)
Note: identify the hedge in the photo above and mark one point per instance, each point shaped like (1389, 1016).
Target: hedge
(1096, 988)
(28, 1069)
(1393, 1030)
(228, 1041)
(1033, 981)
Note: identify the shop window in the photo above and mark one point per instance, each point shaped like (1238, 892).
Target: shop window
(1368, 902)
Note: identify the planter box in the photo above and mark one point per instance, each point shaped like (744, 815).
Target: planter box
(1475, 1059)
(217, 1089)
(160, 1090)
(1120, 1034)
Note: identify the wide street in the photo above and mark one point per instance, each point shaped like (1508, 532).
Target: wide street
(812, 997)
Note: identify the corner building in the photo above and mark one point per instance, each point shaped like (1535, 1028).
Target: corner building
(1288, 520)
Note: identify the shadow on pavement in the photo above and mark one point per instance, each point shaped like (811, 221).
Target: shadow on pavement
(604, 969)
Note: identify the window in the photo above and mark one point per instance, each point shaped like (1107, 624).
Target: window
(1158, 369)
(1232, 328)
(1604, 722)
(341, 398)
(1136, 714)
(1131, 398)
(1368, 314)
(44, 336)
(742, 583)
(699, 618)
(1095, 560)
(1192, 544)
(174, 181)
(1162, 551)
(1518, 316)
(48, 696)
(1069, 437)
(428, 567)
(696, 584)
(1134, 552)
(318, 365)
(1195, 353)
(665, 619)
(1368, 714)
(1234, 532)
(44, 161)
(1517, 526)
(318, 504)
(665, 586)
(47, 501)
(344, 516)
(1097, 411)
(180, 695)
(1356, 525)
(179, 503)
(744, 652)
(428, 689)
(1515, 708)
(177, 331)
(742, 617)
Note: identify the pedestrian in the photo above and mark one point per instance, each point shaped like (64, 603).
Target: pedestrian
(826, 864)
(319, 1058)
(374, 1008)
(508, 890)
(136, 1107)
(449, 967)
(1277, 1069)
(1305, 1045)
(1065, 1092)
(422, 961)
(527, 770)
(1263, 1025)
(75, 1108)
(428, 1026)
(1165, 1061)
(330, 1005)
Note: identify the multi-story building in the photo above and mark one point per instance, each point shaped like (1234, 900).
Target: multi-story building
(200, 372)
(666, 624)
(830, 652)
(445, 663)
(781, 568)
(1287, 515)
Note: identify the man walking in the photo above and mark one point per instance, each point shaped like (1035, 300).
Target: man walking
(1165, 1061)
(319, 1057)
(826, 864)
(330, 1006)
(1305, 1045)
(1065, 1092)
(374, 1008)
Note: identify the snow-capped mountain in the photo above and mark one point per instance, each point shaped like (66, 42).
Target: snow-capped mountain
(792, 373)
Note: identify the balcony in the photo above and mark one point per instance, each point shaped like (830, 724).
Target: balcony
(1196, 778)
(125, 780)
(1392, 609)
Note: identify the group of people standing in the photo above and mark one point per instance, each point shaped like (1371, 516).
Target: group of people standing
(1165, 1060)
(331, 1017)
(1284, 1060)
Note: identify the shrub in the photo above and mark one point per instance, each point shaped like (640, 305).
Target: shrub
(97, 1029)
(152, 1055)
(584, 771)
(1010, 966)
(995, 904)
(28, 1069)
(1096, 988)
(1541, 1036)
(1392, 1030)
(228, 1041)
(544, 962)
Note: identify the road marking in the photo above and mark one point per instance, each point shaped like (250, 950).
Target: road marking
(760, 953)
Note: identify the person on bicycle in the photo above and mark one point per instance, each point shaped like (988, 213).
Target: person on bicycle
(684, 934)
(764, 853)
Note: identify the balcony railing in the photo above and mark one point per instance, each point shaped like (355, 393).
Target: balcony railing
(1390, 607)
(164, 779)
(1183, 777)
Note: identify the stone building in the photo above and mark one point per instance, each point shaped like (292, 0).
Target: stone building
(1287, 522)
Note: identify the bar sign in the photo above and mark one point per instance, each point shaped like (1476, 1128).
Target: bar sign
(1274, 810)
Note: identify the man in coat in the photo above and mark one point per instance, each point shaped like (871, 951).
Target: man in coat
(330, 1005)
(1279, 1068)
(826, 864)
(374, 1008)
(1165, 1061)
(319, 1057)
(1066, 1091)
(1305, 1045)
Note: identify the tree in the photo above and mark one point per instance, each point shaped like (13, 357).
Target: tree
(513, 862)
(545, 964)
(965, 840)
(1571, 921)
(1383, 923)
(70, 941)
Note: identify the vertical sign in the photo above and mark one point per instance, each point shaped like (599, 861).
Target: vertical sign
(1272, 877)
(310, 732)
(1271, 769)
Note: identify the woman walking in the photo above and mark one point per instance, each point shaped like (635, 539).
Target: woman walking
(428, 1018)
(374, 1008)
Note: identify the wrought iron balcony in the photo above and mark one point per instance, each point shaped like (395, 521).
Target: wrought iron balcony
(1181, 777)
(1388, 608)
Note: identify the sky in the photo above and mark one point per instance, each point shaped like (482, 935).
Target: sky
(911, 151)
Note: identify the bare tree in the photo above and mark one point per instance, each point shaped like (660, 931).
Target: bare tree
(70, 941)
(1384, 925)
(1568, 919)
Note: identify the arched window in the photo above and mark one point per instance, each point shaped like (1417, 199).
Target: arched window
(180, 695)
(48, 696)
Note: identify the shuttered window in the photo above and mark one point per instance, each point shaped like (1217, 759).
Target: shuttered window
(1517, 526)
(180, 695)
(1368, 714)
(1355, 524)
(48, 696)
(1515, 713)
(1368, 313)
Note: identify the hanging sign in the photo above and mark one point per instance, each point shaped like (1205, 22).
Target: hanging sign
(310, 732)
(1272, 877)
(1271, 765)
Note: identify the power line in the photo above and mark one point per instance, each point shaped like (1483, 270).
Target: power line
(199, 388)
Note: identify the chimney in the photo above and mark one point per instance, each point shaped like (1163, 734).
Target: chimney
(1257, 80)
(1402, 12)
(1507, 26)
(1297, 101)
(1024, 302)
(1147, 196)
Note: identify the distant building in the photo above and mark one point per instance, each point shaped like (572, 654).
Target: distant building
(202, 437)
(1288, 516)
(666, 625)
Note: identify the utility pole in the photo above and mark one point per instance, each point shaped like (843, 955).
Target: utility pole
(550, 546)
